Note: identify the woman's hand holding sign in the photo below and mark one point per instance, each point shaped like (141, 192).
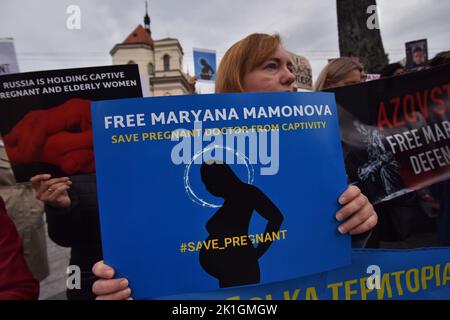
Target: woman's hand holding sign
(52, 192)
(357, 211)
(107, 288)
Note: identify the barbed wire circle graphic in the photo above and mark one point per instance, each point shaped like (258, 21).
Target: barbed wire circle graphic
(187, 185)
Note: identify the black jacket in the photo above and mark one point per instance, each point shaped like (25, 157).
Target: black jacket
(78, 227)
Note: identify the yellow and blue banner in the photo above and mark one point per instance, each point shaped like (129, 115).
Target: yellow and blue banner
(375, 274)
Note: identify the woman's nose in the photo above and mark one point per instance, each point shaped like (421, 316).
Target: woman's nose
(288, 77)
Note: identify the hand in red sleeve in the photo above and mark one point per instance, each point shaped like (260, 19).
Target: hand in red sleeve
(71, 152)
(61, 136)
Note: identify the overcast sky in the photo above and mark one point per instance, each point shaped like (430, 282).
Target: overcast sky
(308, 27)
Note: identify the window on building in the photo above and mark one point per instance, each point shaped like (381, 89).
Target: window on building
(151, 69)
(166, 62)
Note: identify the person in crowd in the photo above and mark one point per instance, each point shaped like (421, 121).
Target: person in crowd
(440, 59)
(16, 280)
(418, 56)
(27, 213)
(340, 72)
(441, 191)
(48, 136)
(73, 221)
(258, 63)
(403, 216)
(392, 69)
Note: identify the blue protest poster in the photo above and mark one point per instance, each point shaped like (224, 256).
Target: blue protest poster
(205, 64)
(206, 192)
(375, 274)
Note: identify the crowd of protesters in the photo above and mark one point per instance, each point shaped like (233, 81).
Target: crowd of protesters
(257, 63)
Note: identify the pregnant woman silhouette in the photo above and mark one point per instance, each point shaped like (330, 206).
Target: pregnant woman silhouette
(235, 265)
(207, 70)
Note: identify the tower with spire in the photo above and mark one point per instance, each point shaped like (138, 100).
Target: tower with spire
(160, 62)
(147, 20)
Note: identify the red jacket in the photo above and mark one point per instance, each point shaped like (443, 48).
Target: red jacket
(16, 280)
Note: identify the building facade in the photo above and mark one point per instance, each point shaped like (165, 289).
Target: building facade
(161, 61)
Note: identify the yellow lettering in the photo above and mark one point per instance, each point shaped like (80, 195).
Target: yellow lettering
(276, 235)
(426, 276)
(446, 274)
(311, 294)
(398, 282)
(206, 244)
(259, 238)
(385, 285)
(335, 289)
(268, 238)
(348, 292)
(438, 275)
(364, 289)
(409, 284)
(287, 295)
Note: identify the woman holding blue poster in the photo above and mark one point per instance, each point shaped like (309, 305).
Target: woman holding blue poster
(257, 63)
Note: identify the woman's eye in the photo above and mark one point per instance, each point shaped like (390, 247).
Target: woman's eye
(271, 66)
